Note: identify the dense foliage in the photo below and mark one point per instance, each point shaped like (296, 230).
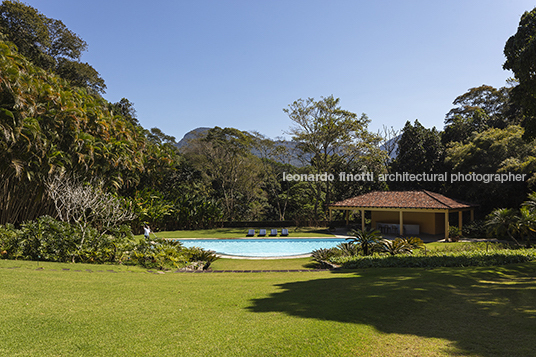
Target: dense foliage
(47, 239)
(54, 122)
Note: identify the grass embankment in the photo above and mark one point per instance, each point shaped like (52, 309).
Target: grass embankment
(371, 312)
(304, 232)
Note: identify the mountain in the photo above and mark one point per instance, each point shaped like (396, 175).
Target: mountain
(192, 134)
(290, 145)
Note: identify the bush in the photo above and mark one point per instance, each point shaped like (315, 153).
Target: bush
(47, 239)
(157, 253)
(475, 229)
(8, 242)
(464, 257)
(323, 256)
(454, 234)
(348, 249)
(196, 254)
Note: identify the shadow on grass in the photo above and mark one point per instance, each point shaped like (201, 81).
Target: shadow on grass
(482, 311)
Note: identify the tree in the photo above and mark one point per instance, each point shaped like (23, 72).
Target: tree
(224, 156)
(419, 151)
(326, 134)
(520, 53)
(501, 222)
(366, 239)
(86, 204)
(525, 224)
(477, 110)
(493, 151)
(49, 44)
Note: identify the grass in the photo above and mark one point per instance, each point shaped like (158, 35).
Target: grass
(263, 264)
(302, 232)
(371, 312)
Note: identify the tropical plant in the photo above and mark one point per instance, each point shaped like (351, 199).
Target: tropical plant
(531, 202)
(525, 224)
(501, 223)
(348, 248)
(396, 246)
(196, 254)
(366, 239)
(401, 245)
(454, 234)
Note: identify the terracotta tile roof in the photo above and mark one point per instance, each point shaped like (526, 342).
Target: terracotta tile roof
(403, 199)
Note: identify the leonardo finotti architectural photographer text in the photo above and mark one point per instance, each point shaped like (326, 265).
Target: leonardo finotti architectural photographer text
(407, 177)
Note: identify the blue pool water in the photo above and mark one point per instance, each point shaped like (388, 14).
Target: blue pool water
(263, 247)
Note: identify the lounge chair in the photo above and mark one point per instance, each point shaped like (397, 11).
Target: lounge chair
(284, 232)
(262, 232)
(251, 233)
(273, 232)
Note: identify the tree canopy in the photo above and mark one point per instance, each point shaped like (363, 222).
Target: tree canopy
(48, 43)
(520, 53)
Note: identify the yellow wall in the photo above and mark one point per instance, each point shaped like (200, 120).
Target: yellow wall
(440, 223)
(429, 223)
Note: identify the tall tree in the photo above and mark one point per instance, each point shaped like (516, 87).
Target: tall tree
(419, 151)
(520, 52)
(48, 43)
(477, 110)
(493, 151)
(224, 156)
(326, 134)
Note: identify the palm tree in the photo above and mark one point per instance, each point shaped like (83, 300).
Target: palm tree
(525, 224)
(366, 239)
(501, 222)
(396, 246)
(531, 203)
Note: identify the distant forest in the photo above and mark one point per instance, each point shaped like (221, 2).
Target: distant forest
(54, 124)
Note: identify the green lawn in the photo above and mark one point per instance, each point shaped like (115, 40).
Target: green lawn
(263, 264)
(48, 311)
(241, 233)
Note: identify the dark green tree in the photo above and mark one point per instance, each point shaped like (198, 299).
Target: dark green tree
(419, 151)
(490, 152)
(477, 110)
(48, 43)
(520, 52)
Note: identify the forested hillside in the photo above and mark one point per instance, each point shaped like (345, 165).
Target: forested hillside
(54, 122)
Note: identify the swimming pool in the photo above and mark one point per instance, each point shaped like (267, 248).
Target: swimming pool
(263, 247)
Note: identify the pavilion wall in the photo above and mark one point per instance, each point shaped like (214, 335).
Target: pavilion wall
(429, 222)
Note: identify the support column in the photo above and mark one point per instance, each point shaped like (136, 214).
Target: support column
(401, 221)
(460, 218)
(446, 224)
(330, 214)
(472, 215)
(362, 220)
(347, 214)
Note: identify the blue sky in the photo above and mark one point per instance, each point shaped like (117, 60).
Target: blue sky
(186, 64)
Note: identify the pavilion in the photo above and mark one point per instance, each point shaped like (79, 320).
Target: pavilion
(406, 212)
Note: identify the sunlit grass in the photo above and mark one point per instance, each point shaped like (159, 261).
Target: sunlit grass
(48, 311)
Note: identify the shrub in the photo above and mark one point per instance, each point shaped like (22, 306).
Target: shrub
(196, 254)
(9, 242)
(367, 240)
(475, 229)
(477, 256)
(158, 253)
(454, 234)
(47, 239)
(397, 246)
(348, 249)
(323, 256)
